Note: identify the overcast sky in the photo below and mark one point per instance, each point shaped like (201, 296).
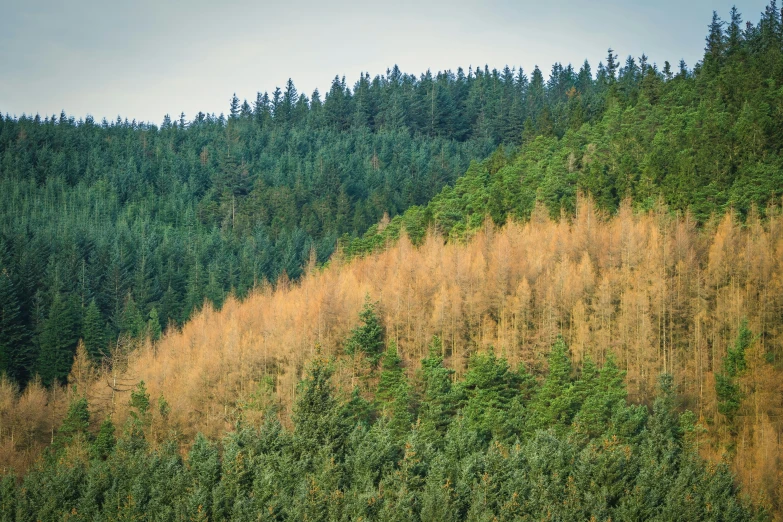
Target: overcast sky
(143, 59)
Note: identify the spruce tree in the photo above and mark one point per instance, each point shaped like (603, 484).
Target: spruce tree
(94, 332)
(58, 339)
(726, 383)
(132, 322)
(153, 324)
(368, 337)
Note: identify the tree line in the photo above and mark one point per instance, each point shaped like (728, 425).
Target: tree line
(704, 141)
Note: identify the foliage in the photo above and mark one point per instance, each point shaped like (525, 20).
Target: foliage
(325, 471)
(369, 337)
(703, 141)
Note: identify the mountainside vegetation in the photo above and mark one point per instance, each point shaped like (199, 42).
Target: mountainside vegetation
(494, 445)
(702, 141)
(118, 229)
(300, 311)
(655, 293)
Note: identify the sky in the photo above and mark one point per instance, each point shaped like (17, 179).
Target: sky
(143, 59)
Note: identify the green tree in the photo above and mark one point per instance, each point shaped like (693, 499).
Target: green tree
(153, 324)
(58, 339)
(489, 387)
(132, 322)
(369, 336)
(555, 404)
(734, 364)
(94, 332)
(317, 420)
(104, 441)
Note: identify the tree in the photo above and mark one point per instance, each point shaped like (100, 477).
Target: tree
(76, 422)
(555, 403)
(368, 337)
(734, 364)
(611, 66)
(734, 32)
(104, 441)
(153, 324)
(132, 322)
(715, 42)
(392, 374)
(438, 401)
(234, 107)
(94, 332)
(489, 388)
(58, 339)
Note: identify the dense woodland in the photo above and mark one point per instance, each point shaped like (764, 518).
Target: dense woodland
(655, 293)
(703, 141)
(495, 445)
(259, 238)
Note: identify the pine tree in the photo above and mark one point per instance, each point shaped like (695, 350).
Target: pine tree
(734, 364)
(76, 422)
(715, 42)
(234, 107)
(153, 324)
(554, 404)
(369, 337)
(611, 66)
(392, 374)
(58, 339)
(438, 400)
(489, 387)
(317, 420)
(94, 332)
(104, 441)
(734, 32)
(132, 322)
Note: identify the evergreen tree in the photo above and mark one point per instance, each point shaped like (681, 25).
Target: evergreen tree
(316, 413)
(58, 339)
(104, 441)
(76, 422)
(132, 322)
(555, 403)
(489, 387)
(94, 332)
(153, 324)
(368, 337)
(234, 107)
(438, 400)
(734, 364)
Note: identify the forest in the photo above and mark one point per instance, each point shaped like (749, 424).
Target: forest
(472, 295)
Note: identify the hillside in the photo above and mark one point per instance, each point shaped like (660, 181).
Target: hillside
(703, 141)
(655, 292)
(301, 312)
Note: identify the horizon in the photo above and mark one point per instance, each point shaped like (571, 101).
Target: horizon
(42, 47)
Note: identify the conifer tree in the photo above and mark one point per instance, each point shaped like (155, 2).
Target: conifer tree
(132, 322)
(58, 339)
(104, 441)
(94, 332)
(734, 364)
(153, 324)
(368, 337)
